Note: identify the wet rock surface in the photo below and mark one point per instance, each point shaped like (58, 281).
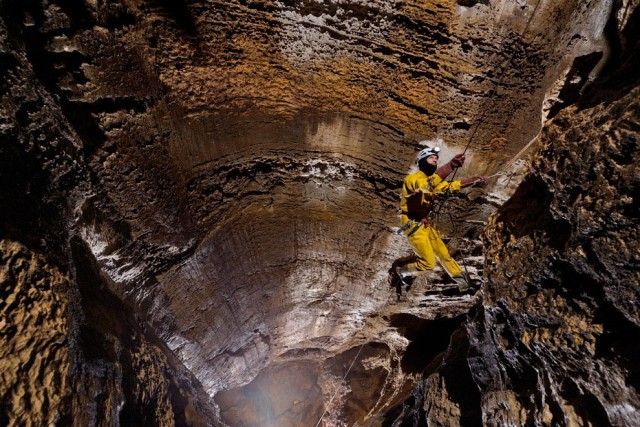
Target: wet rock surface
(199, 203)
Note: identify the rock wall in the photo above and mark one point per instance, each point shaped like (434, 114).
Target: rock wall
(553, 341)
(222, 179)
(71, 352)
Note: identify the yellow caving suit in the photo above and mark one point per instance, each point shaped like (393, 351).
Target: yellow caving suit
(418, 193)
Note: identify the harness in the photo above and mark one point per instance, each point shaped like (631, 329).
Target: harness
(419, 210)
(415, 224)
(424, 221)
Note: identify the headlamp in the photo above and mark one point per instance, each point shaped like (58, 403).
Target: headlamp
(426, 152)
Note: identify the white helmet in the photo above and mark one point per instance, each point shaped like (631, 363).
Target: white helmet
(426, 152)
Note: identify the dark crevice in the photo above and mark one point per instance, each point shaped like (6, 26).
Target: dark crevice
(528, 212)
(618, 342)
(397, 98)
(620, 73)
(79, 14)
(460, 388)
(409, 413)
(471, 3)
(109, 327)
(575, 80)
(179, 12)
(33, 215)
(611, 32)
(587, 407)
(428, 338)
(461, 126)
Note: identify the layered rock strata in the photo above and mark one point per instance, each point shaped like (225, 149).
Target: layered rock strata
(222, 179)
(553, 342)
(71, 352)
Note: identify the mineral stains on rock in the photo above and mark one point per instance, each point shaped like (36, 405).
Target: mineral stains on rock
(551, 343)
(199, 199)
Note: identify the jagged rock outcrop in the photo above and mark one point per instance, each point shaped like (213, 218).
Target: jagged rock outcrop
(72, 359)
(553, 342)
(198, 200)
(71, 352)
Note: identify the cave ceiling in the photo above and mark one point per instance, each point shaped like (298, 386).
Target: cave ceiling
(227, 174)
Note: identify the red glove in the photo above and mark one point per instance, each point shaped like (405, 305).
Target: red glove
(457, 161)
(480, 180)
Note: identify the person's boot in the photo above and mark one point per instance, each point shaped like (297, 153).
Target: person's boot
(408, 274)
(394, 278)
(407, 281)
(405, 277)
(463, 282)
(395, 281)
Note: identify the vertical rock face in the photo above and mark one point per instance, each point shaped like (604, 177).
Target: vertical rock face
(197, 200)
(582, 289)
(35, 354)
(71, 352)
(562, 310)
(83, 359)
(554, 341)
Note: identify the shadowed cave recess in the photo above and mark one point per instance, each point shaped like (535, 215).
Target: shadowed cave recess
(199, 203)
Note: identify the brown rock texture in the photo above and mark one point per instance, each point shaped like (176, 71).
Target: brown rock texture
(35, 332)
(567, 285)
(199, 200)
(71, 353)
(554, 340)
(83, 360)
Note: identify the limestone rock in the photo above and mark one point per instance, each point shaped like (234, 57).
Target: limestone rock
(553, 342)
(199, 202)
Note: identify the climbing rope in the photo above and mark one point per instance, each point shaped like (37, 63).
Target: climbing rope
(447, 192)
(341, 381)
(507, 66)
(462, 261)
(344, 377)
(439, 203)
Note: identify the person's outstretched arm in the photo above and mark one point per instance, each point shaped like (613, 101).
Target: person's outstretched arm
(480, 180)
(444, 170)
